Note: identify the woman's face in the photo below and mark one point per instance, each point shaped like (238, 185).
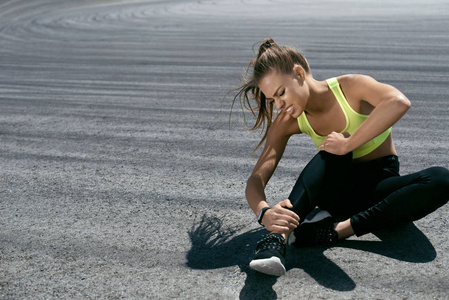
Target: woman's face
(286, 91)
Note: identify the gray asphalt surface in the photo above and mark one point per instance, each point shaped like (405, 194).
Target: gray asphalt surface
(120, 177)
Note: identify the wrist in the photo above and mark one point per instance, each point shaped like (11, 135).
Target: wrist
(348, 145)
(261, 214)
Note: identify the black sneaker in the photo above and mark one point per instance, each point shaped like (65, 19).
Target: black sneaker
(269, 258)
(317, 229)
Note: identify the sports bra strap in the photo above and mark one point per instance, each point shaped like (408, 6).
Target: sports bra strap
(332, 82)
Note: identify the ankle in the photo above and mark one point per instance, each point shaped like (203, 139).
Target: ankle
(344, 229)
(286, 235)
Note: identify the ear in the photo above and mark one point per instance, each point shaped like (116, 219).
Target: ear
(299, 71)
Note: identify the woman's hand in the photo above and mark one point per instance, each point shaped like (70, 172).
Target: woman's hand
(280, 219)
(335, 143)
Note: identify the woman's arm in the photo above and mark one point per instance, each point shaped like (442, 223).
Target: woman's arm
(277, 219)
(389, 106)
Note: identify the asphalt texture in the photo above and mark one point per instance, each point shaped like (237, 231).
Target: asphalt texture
(120, 176)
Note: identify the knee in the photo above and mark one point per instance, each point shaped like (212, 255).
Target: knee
(439, 178)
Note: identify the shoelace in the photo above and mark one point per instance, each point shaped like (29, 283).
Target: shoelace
(326, 236)
(272, 242)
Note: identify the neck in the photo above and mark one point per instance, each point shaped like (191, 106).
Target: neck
(319, 93)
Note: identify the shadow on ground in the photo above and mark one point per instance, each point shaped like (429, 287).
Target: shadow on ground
(215, 245)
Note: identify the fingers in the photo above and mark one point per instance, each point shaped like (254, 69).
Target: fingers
(285, 221)
(322, 146)
(281, 227)
(283, 215)
(335, 143)
(283, 209)
(280, 218)
(291, 217)
(327, 140)
(286, 203)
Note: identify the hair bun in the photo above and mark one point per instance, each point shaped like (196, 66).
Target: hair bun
(268, 43)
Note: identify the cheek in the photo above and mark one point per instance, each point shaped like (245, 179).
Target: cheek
(303, 96)
(297, 97)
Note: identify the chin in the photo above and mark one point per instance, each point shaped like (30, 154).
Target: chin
(294, 116)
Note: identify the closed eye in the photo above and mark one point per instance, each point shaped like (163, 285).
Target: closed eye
(282, 93)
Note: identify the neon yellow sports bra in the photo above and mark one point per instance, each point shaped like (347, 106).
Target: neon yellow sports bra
(353, 121)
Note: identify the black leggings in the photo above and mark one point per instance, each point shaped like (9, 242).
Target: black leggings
(371, 193)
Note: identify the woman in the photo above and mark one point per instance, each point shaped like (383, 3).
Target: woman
(352, 186)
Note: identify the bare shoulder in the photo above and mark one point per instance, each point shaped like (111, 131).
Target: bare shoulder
(363, 88)
(284, 126)
(356, 81)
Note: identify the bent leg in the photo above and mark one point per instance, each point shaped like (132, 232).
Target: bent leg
(325, 176)
(405, 199)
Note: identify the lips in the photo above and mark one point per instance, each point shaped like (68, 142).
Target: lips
(289, 108)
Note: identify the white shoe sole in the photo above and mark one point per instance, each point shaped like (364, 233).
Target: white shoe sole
(270, 266)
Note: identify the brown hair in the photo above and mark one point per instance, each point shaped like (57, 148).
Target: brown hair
(270, 57)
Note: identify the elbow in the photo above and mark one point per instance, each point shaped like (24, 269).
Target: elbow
(252, 180)
(253, 183)
(249, 184)
(402, 103)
